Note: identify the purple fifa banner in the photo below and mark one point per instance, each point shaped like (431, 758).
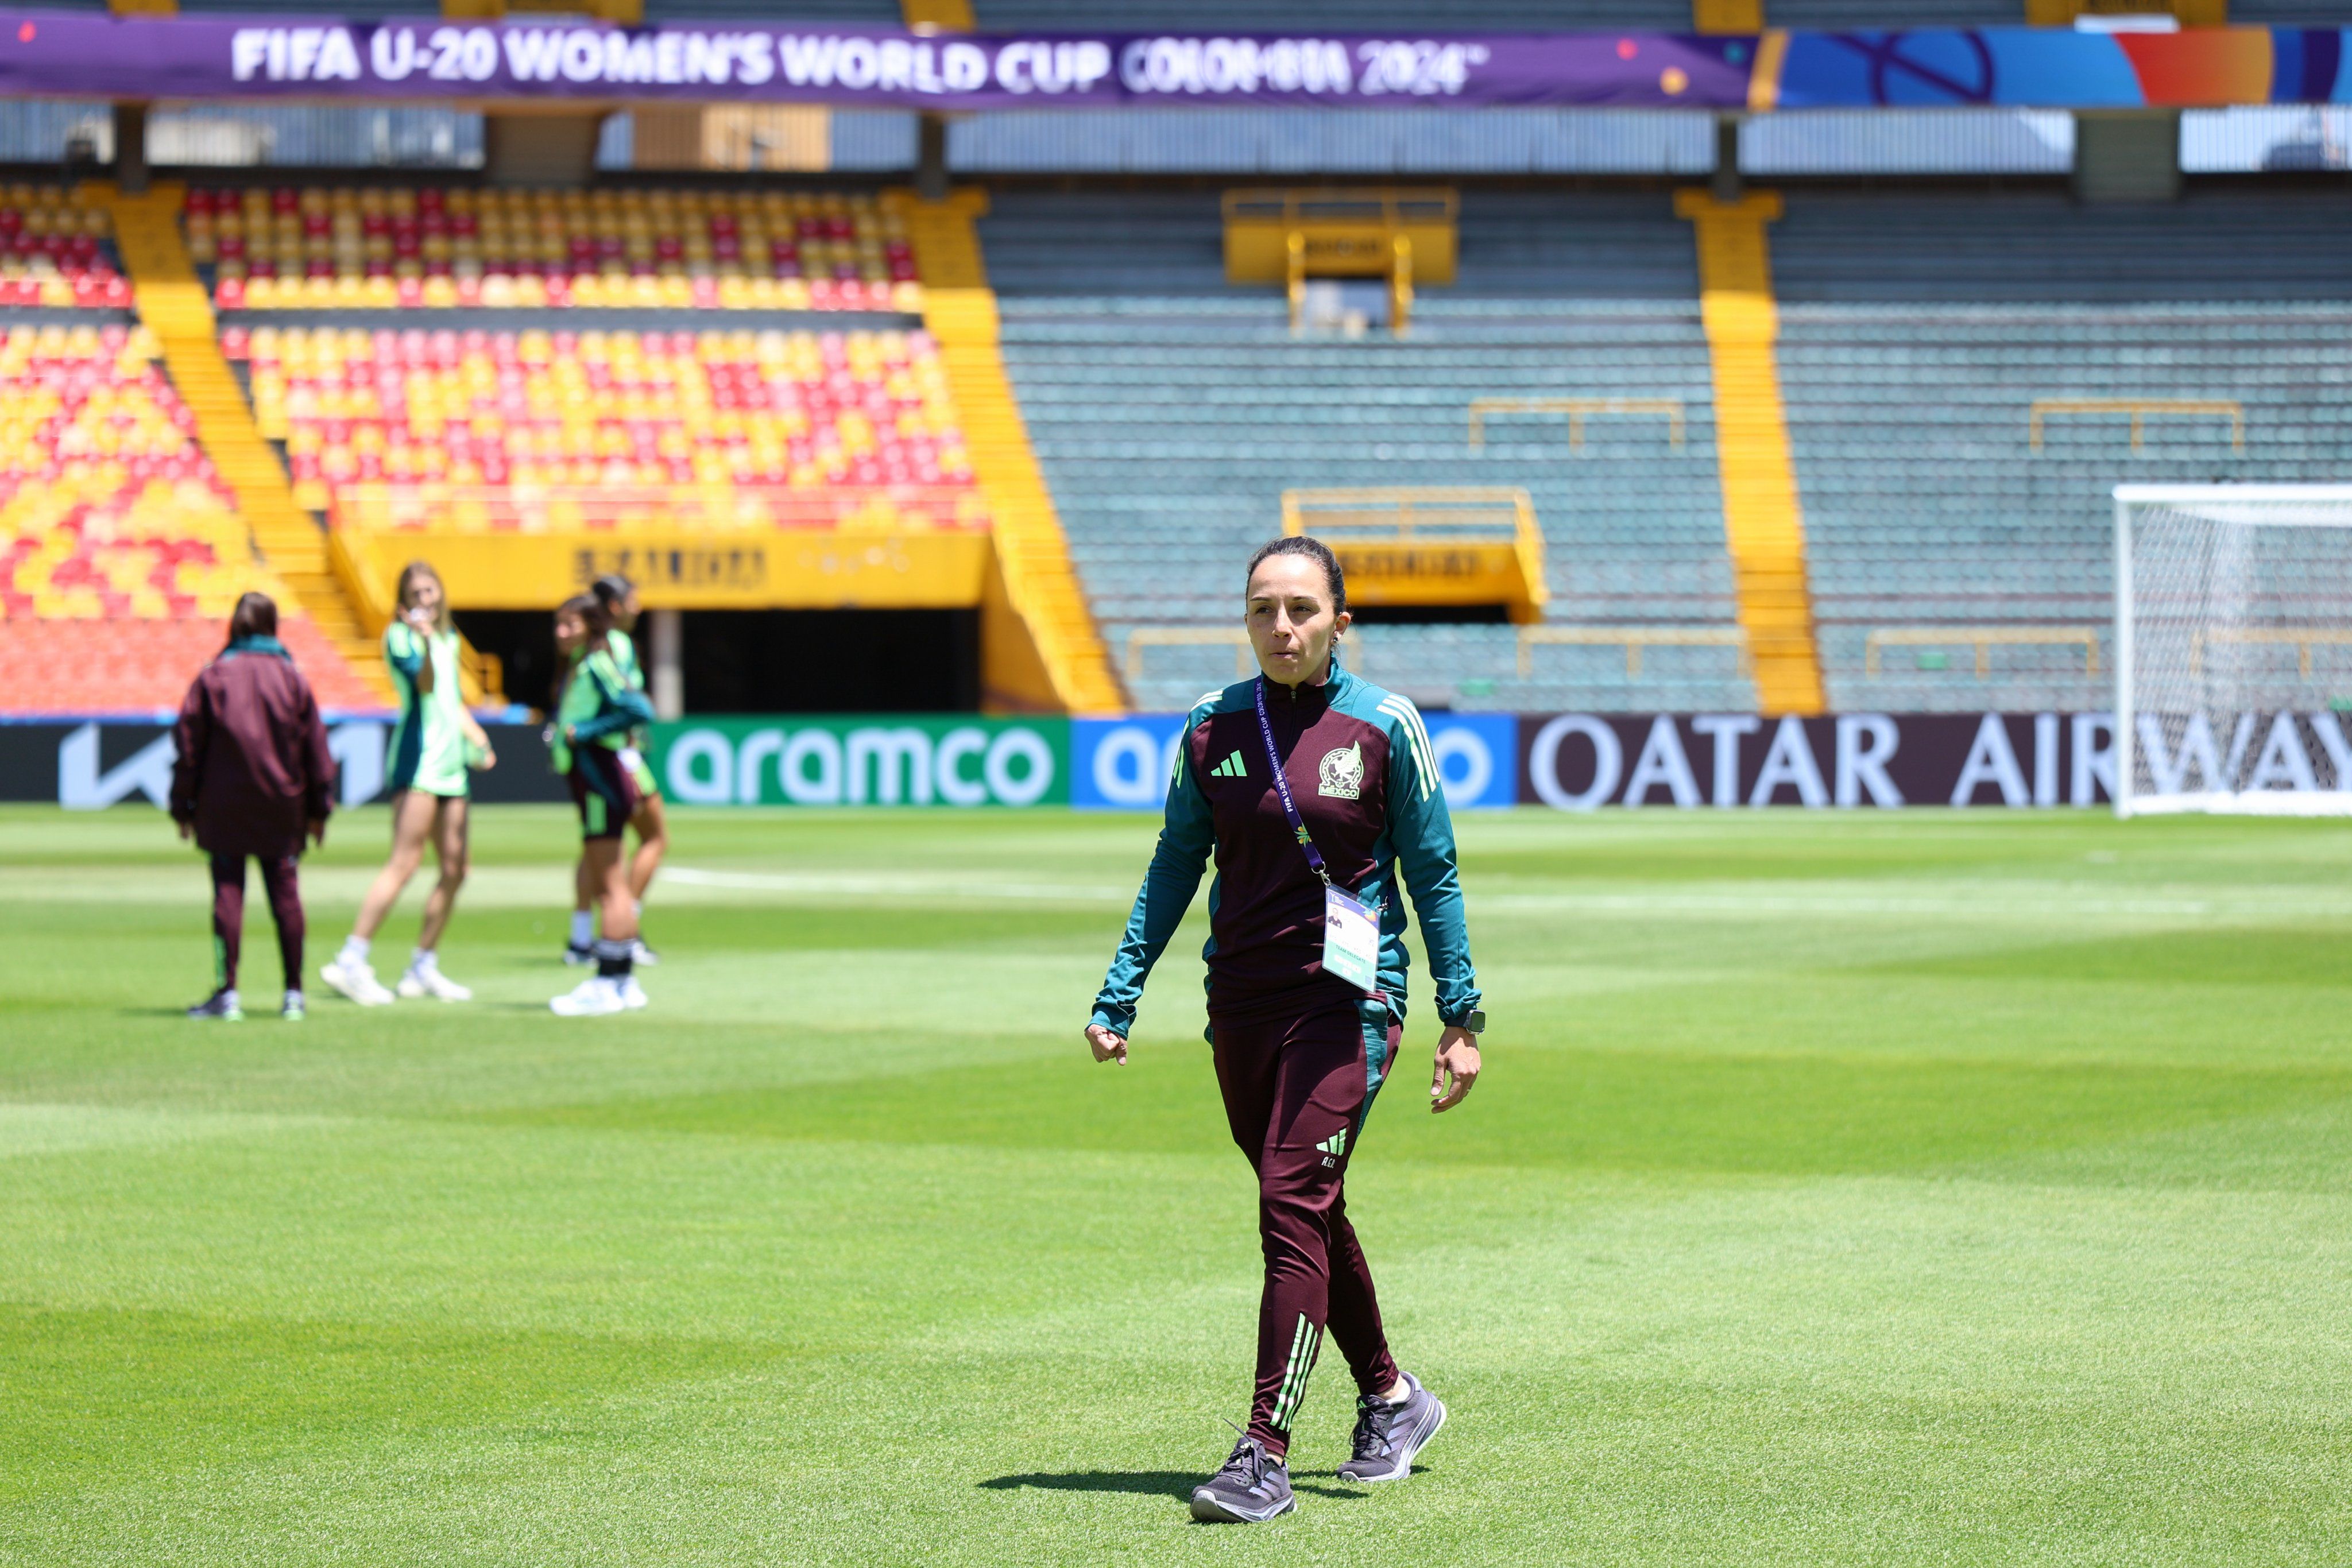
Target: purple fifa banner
(82, 55)
(63, 54)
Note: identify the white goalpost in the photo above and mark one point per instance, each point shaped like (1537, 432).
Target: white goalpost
(2234, 649)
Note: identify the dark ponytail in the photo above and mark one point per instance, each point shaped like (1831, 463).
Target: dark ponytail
(1314, 549)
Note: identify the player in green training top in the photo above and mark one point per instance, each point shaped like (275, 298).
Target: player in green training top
(594, 715)
(433, 744)
(619, 598)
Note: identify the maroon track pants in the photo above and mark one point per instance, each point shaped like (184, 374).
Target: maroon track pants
(279, 880)
(1296, 1091)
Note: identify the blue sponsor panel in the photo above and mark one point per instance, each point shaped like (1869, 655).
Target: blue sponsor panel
(1124, 764)
(1478, 757)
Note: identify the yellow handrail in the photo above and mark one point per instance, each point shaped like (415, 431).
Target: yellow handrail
(2302, 639)
(2139, 408)
(1983, 638)
(1633, 638)
(1143, 637)
(1577, 409)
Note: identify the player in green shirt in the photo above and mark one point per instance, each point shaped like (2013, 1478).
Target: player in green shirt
(433, 745)
(619, 598)
(593, 716)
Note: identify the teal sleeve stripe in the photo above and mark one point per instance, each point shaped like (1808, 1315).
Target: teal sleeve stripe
(1423, 831)
(403, 652)
(1187, 834)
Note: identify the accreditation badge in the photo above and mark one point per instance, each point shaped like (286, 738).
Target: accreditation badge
(1351, 940)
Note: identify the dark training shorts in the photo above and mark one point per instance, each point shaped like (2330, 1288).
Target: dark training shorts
(605, 791)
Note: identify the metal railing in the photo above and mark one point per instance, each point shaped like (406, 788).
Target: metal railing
(1143, 637)
(1578, 410)
(2302, 639)
(1633, 639)
(1983, 638)
(2139, 408)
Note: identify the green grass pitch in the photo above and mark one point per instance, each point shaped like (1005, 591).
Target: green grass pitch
(1932, 1188)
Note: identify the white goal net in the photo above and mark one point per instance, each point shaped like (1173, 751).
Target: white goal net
(2234, 649)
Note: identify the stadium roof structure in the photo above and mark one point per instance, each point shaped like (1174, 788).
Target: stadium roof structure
(524, 59)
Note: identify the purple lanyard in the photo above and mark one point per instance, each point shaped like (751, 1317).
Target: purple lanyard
(1282, 788)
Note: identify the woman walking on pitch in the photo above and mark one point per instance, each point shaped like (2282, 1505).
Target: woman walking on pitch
(619, 598)
(1315, 790)
(594, 715)
(252, 777)
(433, 744)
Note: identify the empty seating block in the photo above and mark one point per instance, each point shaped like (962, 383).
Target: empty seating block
(121, 554)
(1169, 416)
(825, 429)
(1918, 338)
(56, 251)
(377, 247)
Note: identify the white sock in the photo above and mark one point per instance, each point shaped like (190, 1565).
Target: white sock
(423, 958)
(355, 949)
(583, 927)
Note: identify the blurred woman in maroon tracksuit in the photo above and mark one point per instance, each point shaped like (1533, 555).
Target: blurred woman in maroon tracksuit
(252, 777)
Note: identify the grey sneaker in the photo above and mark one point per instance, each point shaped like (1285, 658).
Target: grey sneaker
(221, 1005)
(1250, 1490)
(1388, 1435)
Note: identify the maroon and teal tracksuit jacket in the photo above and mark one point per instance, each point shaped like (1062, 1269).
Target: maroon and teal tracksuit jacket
(1365, 778)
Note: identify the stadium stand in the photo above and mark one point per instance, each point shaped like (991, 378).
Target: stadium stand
(121, 554)
(375, 247)
(1171, 411)
(856, 427)
(1960, 406)
(55, 251)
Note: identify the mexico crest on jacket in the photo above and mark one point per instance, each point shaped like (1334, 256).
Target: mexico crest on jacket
(1342, 773)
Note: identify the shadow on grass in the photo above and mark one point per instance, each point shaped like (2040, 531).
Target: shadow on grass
(1144, 1483)
(1147, 1483)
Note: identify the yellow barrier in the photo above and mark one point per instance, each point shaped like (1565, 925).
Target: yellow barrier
(1144, 637)
(1577, 409)
(1983, 638)
(1633, 639)
(2302, 639)
(2139, 408)
(675, 570)
(1342, 234)
(1430, 546)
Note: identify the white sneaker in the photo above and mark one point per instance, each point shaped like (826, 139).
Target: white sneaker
(593, 997)
(641, 955)
(423, 982)
(356, 980)
(632, 994)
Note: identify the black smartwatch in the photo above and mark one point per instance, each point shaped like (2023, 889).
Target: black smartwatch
(1474, 1021)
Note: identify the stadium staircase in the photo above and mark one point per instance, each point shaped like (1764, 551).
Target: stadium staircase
(172, 303)
(1762, 520)
(959, 311)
